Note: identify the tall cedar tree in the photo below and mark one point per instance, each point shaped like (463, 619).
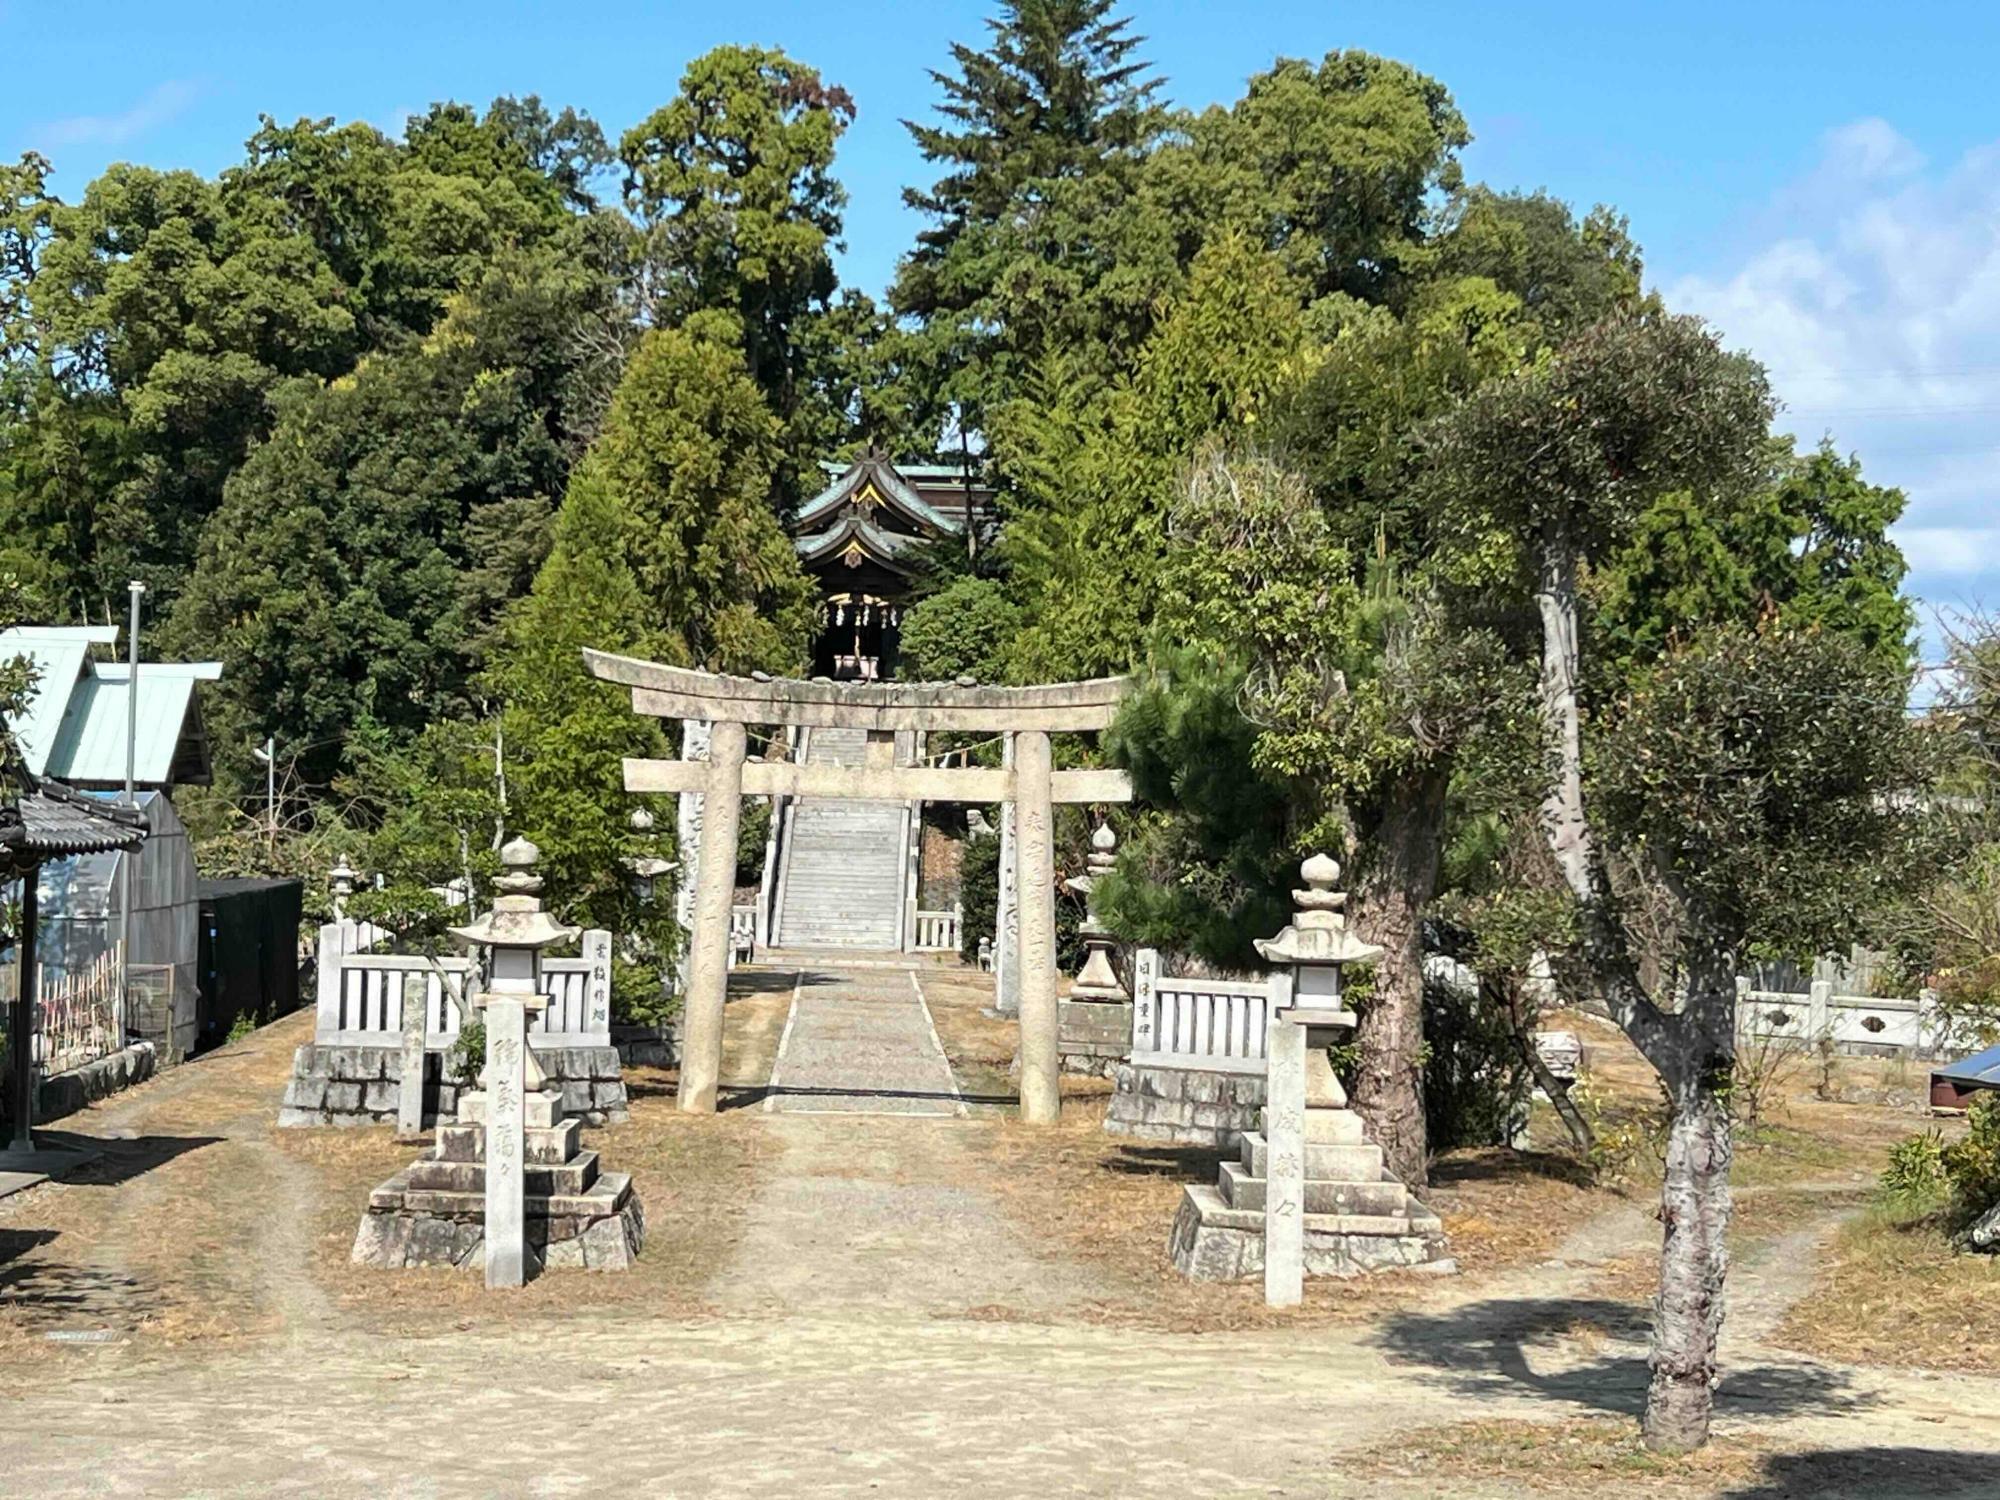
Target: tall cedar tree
(1044, 136)
(733, 188)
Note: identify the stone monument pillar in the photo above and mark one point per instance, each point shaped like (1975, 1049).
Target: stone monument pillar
(1007, 911)
(695, 734)
(1034, 888)
(512, 1088)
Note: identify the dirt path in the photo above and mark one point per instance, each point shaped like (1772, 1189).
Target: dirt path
(874, 1202)
(881, 1327)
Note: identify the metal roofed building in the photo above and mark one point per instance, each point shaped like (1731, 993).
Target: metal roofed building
(74, 728)
(74, 731)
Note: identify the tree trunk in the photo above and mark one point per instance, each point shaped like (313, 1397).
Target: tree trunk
(1504, 991)
(1694, 1259)
(1398, 881)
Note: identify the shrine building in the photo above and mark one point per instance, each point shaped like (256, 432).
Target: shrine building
(860, 538)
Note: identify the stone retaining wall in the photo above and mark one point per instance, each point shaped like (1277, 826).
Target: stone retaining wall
(66, 1093)
(346, 1085)
(1185, 1106)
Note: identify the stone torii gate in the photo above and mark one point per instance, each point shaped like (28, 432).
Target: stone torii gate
(1027, 715)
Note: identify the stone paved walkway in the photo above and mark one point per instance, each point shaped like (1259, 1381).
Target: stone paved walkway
(861, 1042)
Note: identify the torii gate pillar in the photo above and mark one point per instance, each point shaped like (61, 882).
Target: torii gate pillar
(1031, 785)
(1034, 889)
(715, 889)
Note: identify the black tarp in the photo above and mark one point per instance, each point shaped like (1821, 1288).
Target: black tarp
(249, 959)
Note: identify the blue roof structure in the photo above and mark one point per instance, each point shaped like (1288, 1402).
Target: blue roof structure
(1982, 1069)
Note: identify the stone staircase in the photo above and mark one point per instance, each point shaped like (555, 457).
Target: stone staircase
(842, 881)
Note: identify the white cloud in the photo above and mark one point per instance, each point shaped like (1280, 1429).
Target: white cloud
(1951, 549)
(1874, 299)
(160, 104)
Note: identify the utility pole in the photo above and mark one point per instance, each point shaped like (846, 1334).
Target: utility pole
(125, 860)
(268, 753)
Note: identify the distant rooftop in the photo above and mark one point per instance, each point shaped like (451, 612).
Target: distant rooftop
(74, 729)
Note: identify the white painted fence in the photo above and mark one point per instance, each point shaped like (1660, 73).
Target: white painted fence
(938, 931)
(361, 993)
(1850, 1021)
(1181, 1022)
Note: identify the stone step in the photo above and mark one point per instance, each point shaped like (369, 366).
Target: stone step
(1208, 1201)
(1377, 1198)
(546, 1146)
(605, 1196)
(1362, 1163)
(569, 1179)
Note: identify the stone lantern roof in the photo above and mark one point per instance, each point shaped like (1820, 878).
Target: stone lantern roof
(1318, 933)
(517, 919)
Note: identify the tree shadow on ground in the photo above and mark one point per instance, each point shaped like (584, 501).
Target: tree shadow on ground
(53, 1291)
(1592, 1354)
(1189, 1163)
(746, 982)
(1875, 1473)
(118, 1160)
(1504, 1164)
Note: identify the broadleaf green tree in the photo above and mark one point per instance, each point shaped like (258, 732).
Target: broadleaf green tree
(1701, 769)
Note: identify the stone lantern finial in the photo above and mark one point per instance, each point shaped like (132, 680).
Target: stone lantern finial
(1318, 934)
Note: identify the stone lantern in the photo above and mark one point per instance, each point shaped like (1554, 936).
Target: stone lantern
(1317, 944)
(647, 869)
(342, 878)
(513, 1093)
(1096, 980)
(1304, 1104)
(1312, 1193)
(1094, 1021)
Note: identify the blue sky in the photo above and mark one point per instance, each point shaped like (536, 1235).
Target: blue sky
(1821, 180)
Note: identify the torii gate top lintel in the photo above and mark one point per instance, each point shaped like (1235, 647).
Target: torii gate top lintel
(682, 693)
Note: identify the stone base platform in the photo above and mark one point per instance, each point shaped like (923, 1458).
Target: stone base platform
(1094, 1036)
(1358, 1218)
(1201, 1107)
(353, 1085)
(433, 1212)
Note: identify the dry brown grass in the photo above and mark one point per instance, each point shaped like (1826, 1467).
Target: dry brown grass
(1894, 1291)
(694, 1175)
(1110, 1203)
(1601, 1454)
(202, 1222)
(981, 1047)
(1504, 1208)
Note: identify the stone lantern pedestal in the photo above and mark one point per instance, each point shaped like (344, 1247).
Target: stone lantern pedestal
(1095, 1019)
(506, 1186)
(1310, 1195)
